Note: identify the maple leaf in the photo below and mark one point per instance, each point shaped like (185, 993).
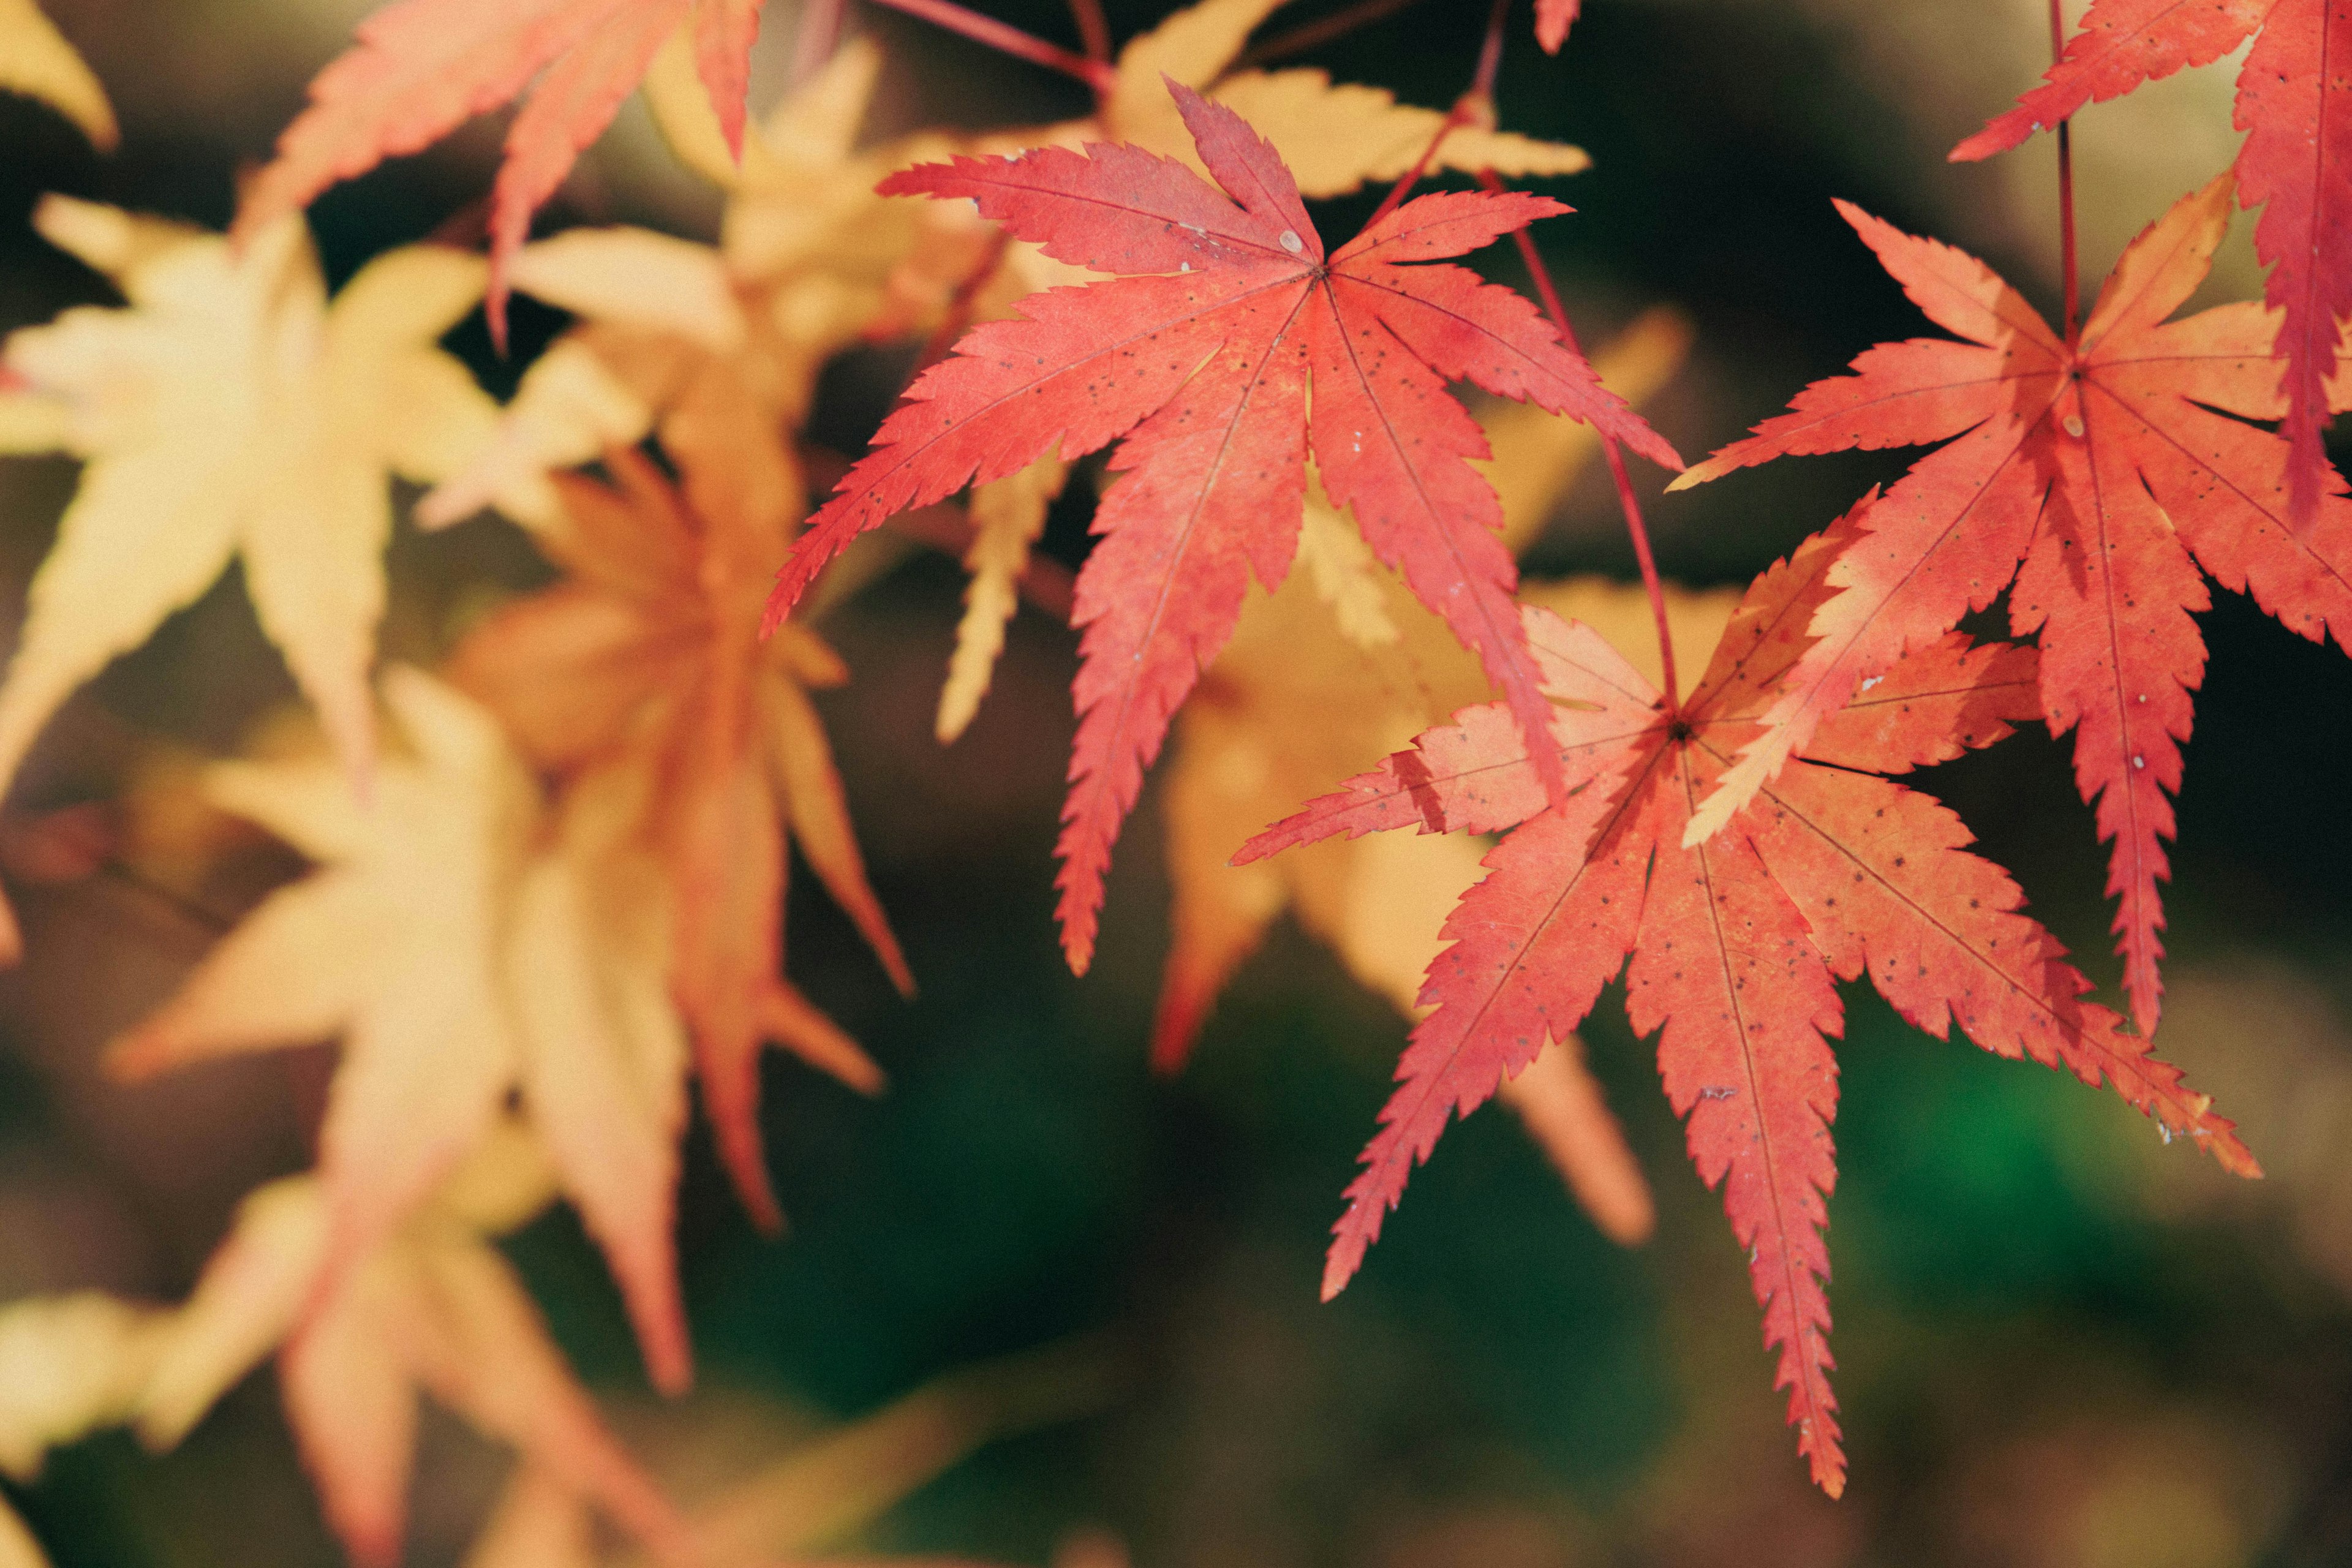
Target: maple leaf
(68, 1365)
(230, 412)
(1333, 670)
(1201, 357)
(432, 1308)
(2295, 164)
(458, 958)
(2097, 473)
(648, 659)
(37, 61)
(1736, 942)
(420, 68)
(1333, 137)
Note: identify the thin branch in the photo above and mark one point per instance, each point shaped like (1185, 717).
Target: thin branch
(1094, 28)
(1634, 527)
(1476, 106)
(1013, 41)
(2065, 183)
(1315, 34)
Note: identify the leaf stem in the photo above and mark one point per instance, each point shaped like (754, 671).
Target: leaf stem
(1477, 104)
(1322, 30)
(1634, 527)
(1094, 28)
(2065, 182)
(996, 34)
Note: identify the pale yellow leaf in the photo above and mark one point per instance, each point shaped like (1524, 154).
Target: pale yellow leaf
(30, 423)
(1337, 137)
(1193, 47)
(244, 1303)
(635, 277)
(37, 61)
(604, 1053)
(122, 245)
(397, 941)
(820, 121)
(1007, 516)
(568, 409)
(228, 411)
(1348, 576)
(68, 1364)
(681, 109)
(17, 1547)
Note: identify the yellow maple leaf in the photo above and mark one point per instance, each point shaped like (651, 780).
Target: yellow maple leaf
(462, 944)
(1334, 137)
(230, 411)
(68, 1365)
(432, 1308)
(37, 61)
(1007, 516)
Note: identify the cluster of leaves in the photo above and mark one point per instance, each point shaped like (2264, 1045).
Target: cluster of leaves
(563, 891)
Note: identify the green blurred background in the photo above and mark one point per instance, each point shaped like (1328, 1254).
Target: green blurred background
(2060, 1342)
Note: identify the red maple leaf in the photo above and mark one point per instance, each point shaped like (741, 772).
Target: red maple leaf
(1201, 356)
(423, 67)
(1738, 941)
(2295, 102)
(2099, 465)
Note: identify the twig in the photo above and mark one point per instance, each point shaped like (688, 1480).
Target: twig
(2065, 181)
(1094, 28)
(1634, 527)
(1477, 104)
(1315, 34)
(996, 34)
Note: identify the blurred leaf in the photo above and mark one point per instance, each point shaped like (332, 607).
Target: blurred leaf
(37, 61)
(231, 411)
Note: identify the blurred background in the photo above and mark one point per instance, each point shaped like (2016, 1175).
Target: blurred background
(2059, 1342)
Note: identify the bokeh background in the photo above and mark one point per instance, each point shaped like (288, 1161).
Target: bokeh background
(2060, 1342)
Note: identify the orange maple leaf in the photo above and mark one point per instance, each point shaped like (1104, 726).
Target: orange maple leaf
(650, 658)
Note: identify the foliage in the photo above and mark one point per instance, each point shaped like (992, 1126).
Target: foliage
(551, 889)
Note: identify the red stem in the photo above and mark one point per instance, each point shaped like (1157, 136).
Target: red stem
(1300, 39)
(1478, 103)
(1094, 28)
(2065, 183)
(955, 18)
(1624, 481)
